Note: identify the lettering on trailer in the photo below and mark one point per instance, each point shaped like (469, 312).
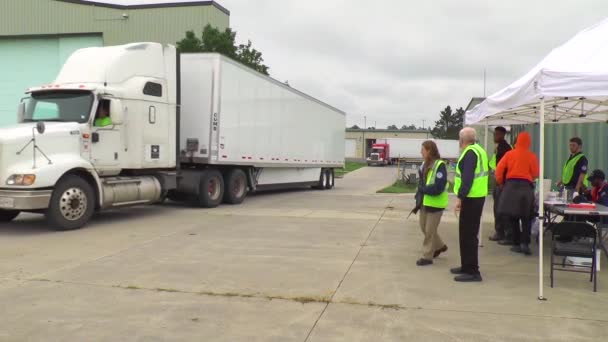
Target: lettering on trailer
(155, 152)
(215, 122)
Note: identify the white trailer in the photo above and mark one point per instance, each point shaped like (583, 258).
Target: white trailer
(404, 148)
(135, 124)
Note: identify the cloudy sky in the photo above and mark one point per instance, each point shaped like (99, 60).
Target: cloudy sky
(401, 62)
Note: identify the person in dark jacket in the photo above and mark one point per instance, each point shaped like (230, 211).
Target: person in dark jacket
(471, 187)
(432, 195)
(516, 174)
(599, 191)
(502, 147)
(597, 194)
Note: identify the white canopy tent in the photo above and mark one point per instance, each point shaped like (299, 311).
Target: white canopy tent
(570, 85)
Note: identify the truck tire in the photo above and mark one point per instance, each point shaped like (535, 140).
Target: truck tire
(72, 204)
(8, 215)
(235, 189)
(322, 185)
(211, 191)
(330, 179)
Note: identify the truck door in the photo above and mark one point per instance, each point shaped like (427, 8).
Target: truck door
(106, 142)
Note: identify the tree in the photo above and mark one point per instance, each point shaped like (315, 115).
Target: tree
(252, 58)
(408, 128)
(190, 44)
(392, 127)
(223, 43)
(449, 124)
(355, 127)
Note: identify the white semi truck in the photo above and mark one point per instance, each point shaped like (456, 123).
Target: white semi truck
(190, 127)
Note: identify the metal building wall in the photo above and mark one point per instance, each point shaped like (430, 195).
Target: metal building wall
(557, 137)
(52, 17)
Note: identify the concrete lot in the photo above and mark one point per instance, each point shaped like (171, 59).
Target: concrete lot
(294, 266)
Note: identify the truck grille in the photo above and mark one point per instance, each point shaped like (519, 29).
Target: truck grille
(374, 157)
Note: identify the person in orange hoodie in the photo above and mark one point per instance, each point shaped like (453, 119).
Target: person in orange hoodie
(515, 174)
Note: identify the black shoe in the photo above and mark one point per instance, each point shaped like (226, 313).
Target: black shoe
(468, 278)
(424, 262)
(496, 237)
(456, 270)
(440, 250)
(525, 249)
(506, 243)
(516, 249)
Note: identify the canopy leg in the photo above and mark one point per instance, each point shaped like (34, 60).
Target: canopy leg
(541, 199)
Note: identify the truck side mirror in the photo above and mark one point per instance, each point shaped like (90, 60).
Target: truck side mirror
(21, 112)
(116, 112)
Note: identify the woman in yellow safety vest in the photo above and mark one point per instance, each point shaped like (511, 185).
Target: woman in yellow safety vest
(432, 198)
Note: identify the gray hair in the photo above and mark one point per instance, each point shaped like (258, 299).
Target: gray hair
(468, 135)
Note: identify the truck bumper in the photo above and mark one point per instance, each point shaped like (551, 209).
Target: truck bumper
(25, 200)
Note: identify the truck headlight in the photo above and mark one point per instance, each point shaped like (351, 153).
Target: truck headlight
(21, 179)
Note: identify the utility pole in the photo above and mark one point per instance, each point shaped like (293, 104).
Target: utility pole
(423, 124)
(364, 141)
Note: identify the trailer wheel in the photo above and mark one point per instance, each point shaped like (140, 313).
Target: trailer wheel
(235, 187)
(8, 215)
(330, 179)
(322, 185)
(72, 204)
(211, 191)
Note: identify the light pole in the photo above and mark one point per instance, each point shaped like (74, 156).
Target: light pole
(364, 142)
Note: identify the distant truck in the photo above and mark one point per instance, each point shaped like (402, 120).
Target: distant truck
(138, 123)
(389, 151)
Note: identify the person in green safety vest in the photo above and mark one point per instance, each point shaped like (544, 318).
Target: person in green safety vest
(502, 147)
(574, 173)
(102, 118)
(433, 193)
(471, 187)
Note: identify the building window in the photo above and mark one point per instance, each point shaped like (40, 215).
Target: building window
(153, 89)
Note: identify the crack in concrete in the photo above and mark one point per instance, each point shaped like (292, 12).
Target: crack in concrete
(312, 299)
(348, 270)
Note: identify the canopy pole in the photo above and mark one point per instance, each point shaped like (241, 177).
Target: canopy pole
(541, 199)
(485, 146)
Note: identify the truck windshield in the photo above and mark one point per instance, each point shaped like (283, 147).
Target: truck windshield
(63, 106)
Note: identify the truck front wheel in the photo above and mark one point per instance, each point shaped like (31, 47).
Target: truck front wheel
(236, 187)
(8, 215)
(211, 191)
(72, 204)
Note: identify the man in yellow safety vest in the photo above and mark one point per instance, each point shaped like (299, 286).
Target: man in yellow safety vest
(471, 187)
(575, 170)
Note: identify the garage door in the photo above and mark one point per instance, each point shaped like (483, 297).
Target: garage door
(350, 148)
(32, 62)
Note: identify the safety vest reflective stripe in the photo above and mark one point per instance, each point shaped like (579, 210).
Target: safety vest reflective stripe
(439, 201)
(480, 182)
(568, 171)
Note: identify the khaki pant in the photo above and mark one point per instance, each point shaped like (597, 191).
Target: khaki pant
(429, 221)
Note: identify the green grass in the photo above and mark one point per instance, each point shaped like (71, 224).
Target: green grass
(349, 167)
(401, 188)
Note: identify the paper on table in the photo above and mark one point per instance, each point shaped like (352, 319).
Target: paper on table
(556, 202)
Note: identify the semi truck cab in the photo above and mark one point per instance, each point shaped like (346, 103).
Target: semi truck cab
(380, 155)
(57, 160)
